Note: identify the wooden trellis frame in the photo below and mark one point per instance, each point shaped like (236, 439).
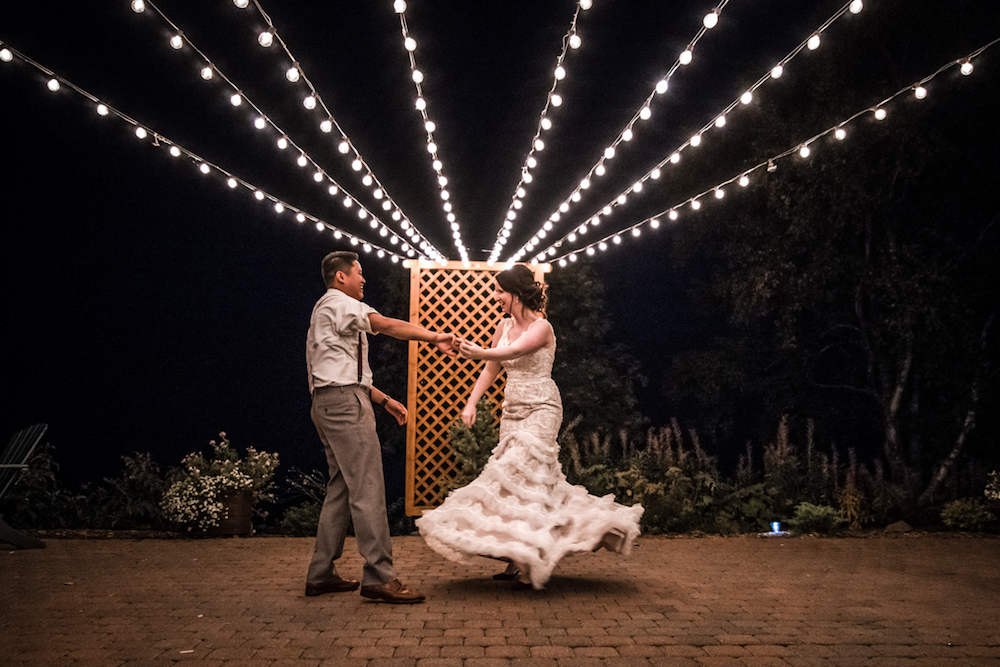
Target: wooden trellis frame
(456, 298)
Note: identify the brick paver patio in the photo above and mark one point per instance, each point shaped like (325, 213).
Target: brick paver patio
(746, 601)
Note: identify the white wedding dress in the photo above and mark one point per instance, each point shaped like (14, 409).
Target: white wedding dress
(521, 508)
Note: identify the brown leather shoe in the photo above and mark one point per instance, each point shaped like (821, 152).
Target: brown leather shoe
(335, 585)
(394, 592)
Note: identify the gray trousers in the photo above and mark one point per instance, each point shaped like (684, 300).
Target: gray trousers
(345, 422)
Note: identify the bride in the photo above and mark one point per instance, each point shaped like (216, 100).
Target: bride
(521, 509)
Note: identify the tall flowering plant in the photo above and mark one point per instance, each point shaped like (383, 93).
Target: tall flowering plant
(195, 497)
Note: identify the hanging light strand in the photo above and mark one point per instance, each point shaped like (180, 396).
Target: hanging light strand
(410, 44)
(314, 101)
(801, 149)
(206, 167)
(570, 40)
(719, 120)
(210, 71)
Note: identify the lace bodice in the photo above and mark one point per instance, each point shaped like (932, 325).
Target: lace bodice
(534, 366)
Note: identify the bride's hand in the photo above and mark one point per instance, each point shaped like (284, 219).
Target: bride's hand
(469, 350)
(469, 415)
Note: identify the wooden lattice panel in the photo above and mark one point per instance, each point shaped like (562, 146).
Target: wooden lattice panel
(452, 298)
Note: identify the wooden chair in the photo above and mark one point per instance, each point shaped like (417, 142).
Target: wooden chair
(13, 462)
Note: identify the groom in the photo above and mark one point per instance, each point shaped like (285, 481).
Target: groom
(340, 381)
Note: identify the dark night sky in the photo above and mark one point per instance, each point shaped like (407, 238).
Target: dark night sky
(148, 306)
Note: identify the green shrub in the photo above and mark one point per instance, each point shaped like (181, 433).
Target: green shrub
(966, 514)
(811, 518)
(301, 520)
(134, 497)
(472, 446)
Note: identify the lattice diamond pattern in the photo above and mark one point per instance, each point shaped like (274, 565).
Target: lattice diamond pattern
(458, 299)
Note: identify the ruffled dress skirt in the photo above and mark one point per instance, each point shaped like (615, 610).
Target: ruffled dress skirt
(521, 508)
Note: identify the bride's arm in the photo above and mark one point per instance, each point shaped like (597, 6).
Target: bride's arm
(486, 378)
(538, 335)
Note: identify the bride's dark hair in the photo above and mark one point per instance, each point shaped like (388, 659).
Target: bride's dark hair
(520, 281)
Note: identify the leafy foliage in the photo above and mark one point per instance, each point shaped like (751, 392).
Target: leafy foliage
(967, 514)
(473, 445)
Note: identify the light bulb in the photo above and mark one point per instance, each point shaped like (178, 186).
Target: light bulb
(282, 143)
(575, 41)
(299, 217)
(654, 223)
(258, 195)
(293, 74)
(531, 162)
(655, 174)
(6, 55)
(302, 161)
(279, 207)
(421, 104)
(176, 41)
(344, 147)
(309, 102)
(539, 145)
(203, 168)
(813, 43)
(138, 6)
(696, 140)
(840, 133)
(231, 182)
(645, 113)
(609, 152)
(318, 176)
(661, 86)
(627, 135)
(636, 231)
(356, 165)
(966, 68)
(804, 151)
(417, 76)
(265, 39)
(673, 215)
(430, 126)
(556, 100)
(711, 20)
(53, 85)
(367, 180)
(410, 44)
(675, 158)
(242, 4)
(920, 92)
(719, 193)
(102, 110)
(560, 73)
(584, 184)
(236, 99)
(777, 71)
(141, 132)
(685, 57)
(695, 204)
(857, 6)
(348, 202)
(585, 4)
(546, 123)
(744, 181)
(174, 151)
(326, 126)
(617, 239)
(399, 6)
(746, 98)
(206, 73)
(720, 121)
(637, 187)
(260, 123)
(880, 113)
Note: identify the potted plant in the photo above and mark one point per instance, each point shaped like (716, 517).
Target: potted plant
(215, 494)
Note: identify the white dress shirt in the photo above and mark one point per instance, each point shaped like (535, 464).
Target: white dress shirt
(332, 342)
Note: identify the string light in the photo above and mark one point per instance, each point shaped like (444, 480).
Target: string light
(572, 40)
(175, 150)
(314, 101)
(745, 98)
(642, 114)
(743, 179)
(237, 98)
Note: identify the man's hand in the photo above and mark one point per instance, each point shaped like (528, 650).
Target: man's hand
(397, 410)
(447, 344)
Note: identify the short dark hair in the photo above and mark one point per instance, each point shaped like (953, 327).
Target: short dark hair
(339, 260)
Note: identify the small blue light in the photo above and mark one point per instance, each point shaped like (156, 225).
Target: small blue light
(775, 527)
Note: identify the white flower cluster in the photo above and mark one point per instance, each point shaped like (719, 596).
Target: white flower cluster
(195, 500)
(993, 487)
